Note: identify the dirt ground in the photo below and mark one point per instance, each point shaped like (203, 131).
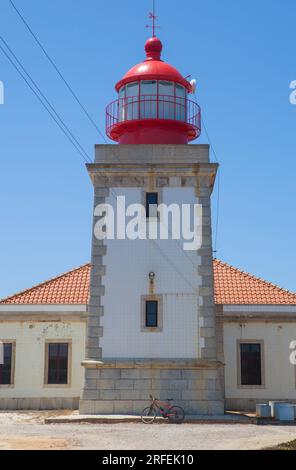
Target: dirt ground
(26, 430)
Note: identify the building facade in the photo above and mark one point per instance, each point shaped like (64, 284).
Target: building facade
(147, 317)
(250, 313)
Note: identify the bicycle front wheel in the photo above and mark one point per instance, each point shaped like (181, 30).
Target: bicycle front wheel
(176, 414)
(148, 415)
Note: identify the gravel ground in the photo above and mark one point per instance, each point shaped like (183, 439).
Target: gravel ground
(25, 430)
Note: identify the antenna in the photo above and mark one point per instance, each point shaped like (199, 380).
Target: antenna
(154, 18)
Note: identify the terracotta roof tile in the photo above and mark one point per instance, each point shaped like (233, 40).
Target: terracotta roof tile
(232, 286)
(236, 287)
(68, 288)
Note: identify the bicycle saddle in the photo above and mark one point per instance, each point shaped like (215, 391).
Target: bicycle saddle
(170, 399)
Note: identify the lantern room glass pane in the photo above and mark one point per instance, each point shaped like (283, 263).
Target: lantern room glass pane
(132, 101)
(180, 103)
(122, 92)
(148, 99)
(166, 88)
(180, 91)
(149, 87)
(166, 101)
(121, 104)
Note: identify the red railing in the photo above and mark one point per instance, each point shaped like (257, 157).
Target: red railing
(162, 107)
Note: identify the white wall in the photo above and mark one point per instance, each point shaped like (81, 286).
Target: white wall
(128, 264)
(30, 340)
(279, 373)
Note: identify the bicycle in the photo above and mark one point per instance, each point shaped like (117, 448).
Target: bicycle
(175, 414)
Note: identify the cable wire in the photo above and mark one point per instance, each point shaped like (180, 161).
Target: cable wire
(217, 217)
(43, 104)
(209, 139)
(45, 98)
(37, 40)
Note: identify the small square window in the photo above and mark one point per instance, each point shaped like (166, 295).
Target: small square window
(151, 314)
(6, 367)
(151, 205)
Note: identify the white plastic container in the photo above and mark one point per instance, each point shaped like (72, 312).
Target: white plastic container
(286, 412)
(263, 411)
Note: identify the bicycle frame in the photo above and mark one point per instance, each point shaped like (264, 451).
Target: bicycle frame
(162, 406)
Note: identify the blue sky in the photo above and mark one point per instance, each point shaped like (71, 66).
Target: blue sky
(243, 56)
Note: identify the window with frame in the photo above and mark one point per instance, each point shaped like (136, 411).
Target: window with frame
(132, 101)
(148, 99)
(151, 205)
(57, 363)
(122, 105)
(6, 368)
(151, 314)
(251, 363)
(166, 100)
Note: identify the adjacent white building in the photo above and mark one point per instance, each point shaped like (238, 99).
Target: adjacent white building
(249, 311)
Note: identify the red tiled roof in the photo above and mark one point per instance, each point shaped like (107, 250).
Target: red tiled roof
(232, 286)
(68, 288)
(236, 287)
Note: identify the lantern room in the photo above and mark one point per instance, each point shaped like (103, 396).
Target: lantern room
(153, 105)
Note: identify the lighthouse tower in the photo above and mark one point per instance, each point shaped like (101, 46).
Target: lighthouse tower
(151, 326)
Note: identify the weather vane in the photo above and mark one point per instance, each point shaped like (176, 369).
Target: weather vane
(154, 18)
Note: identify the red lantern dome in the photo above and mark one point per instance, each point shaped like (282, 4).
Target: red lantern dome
(153, 107)
(153, 68)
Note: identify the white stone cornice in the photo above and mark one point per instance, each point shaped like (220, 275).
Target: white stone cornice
(42, 308)
(259, 308)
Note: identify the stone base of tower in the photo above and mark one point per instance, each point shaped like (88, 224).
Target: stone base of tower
(123, 387)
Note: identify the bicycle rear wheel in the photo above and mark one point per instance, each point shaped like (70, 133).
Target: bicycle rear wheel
(176, 414)
(148, 415)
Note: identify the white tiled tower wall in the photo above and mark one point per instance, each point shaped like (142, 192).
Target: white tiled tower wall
(123, 363)
(128, 264)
